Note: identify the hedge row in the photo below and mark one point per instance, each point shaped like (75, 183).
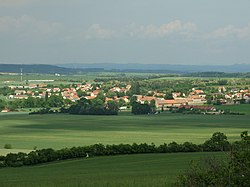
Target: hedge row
(218, 142)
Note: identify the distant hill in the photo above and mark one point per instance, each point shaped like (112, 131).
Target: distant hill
(171, 68)
(42, 68)
(134, 68)
(76, 69)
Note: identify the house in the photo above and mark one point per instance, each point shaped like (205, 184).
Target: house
(123, 108)
(12, 87)
(169, 103)
(19, 97)
(20, 92)
(222, 89)
(176, 94)
(138, 97)
(95, 92)
(196, 100)
(29, 92)
(243, 91)
(32, 86)
(198, 92)
(108, 99)
(234, 90)
(159, 94)
(42, 85)
(48, 89)
(115, 89)
(146, 99)
(238, 95)
(74, 98)
(247, 97)
(126, 98)
(5, 110)
(90, 97)
(56, 90)
(228, 96)
(128, 87)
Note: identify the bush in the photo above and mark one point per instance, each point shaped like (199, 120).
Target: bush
(7, 146)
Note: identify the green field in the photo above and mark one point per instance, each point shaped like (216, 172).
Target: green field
(58, 131)
(243, 108)
(151, 170)
(14, 79)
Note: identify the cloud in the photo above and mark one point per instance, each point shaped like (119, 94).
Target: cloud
(96, 31)
(28, 26)
(164, 30)
(99, 32)
(230, 31)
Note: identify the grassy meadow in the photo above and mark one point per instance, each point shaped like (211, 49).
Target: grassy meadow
(243, 108)
(149, 170)
(58, 131)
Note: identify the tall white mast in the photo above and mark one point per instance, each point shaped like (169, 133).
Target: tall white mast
(21, 74)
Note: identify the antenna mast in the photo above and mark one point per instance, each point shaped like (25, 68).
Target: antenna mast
(21, 74)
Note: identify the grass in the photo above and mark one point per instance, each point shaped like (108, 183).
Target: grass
(58, 131)
(151, 170)
(6, 151)
(243, 108)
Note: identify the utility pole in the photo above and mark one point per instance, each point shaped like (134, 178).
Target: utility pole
(21, 74)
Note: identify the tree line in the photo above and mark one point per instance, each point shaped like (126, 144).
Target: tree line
(96, 106)
(218, 142)
(32, 102)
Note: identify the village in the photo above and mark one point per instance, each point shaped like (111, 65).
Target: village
(122, 95)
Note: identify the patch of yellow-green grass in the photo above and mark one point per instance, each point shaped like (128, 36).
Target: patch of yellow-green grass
(4, 152)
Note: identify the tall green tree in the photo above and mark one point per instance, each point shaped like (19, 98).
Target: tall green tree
(138, 108)
(232, 172)
(135, 88)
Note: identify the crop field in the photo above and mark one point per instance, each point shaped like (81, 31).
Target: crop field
(58, 131)
(149, 170)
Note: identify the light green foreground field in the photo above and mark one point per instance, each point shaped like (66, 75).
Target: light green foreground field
(58, 131)
(148, 170)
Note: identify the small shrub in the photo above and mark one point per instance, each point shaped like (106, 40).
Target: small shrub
(7, 146)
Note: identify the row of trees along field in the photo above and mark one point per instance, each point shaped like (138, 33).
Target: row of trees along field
(232, 172)
(31, 102)
(218, 142)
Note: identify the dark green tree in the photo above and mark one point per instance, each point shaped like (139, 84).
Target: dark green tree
(138, 108)
(234, 171)
(135, 88)
(218, 142)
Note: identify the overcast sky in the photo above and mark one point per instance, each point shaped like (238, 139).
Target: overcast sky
(125, 31)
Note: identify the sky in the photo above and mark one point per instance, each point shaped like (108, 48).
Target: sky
(204, 32)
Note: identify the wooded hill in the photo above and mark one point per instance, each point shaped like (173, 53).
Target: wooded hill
(42, 68)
